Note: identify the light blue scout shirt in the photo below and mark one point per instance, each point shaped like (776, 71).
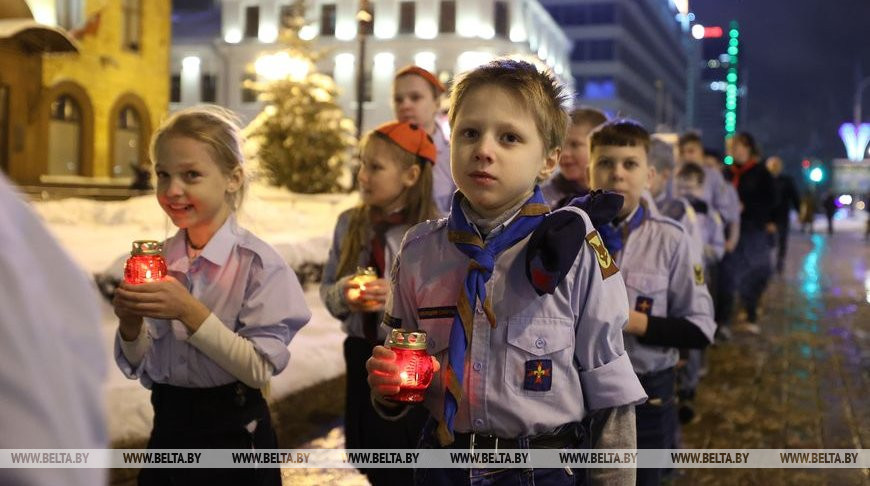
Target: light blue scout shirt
(719, 194)
(574, 334)
(443, 186)
(247, 285)
(664, 279)
(332, 288)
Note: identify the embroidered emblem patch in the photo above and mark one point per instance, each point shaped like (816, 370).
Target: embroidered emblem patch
(391, 321)
(643, 304)
(539, 375)
(605, 261)
(436, 312)
(699, 274)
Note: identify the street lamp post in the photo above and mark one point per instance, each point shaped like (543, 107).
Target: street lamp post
(364, 19)
(857, 106)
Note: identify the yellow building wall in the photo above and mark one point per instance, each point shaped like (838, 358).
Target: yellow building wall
(106, 70)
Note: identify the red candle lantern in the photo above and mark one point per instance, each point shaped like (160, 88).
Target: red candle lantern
(415, 364)
(145, 264)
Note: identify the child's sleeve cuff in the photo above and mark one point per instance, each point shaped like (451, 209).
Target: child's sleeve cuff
(612, 385)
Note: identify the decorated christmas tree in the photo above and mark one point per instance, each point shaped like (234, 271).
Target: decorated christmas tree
(304, 141)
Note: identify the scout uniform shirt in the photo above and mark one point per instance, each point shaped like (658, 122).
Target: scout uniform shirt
(662, 279)
(548, 360)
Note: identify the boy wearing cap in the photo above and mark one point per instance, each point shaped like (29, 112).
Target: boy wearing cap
(524, 317)
(395, 181)
(417, 99)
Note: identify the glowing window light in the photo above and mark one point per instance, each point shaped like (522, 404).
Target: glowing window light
(425, 60)
(384, 60)
(268, 33)
(471, 59)
(233, 36)
(190, 63)
(426, 28)
(308, 32)
(385, 27)
(346, 29)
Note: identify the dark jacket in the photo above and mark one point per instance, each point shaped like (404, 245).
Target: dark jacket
(786, 198)
(756, 192)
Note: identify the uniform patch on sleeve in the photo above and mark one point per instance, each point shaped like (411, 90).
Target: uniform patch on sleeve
(605, 261)
(539, 375)
(643, 304)
(699, 274)
(436, 312)
(391, 321)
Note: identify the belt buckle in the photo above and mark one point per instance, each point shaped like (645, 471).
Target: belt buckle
(473, 437)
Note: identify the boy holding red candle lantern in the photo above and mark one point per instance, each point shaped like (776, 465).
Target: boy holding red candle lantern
(395, 181)
(217, 327)
(524, 308)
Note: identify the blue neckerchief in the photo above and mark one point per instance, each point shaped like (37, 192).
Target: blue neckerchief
(614, 237)
(482, 254)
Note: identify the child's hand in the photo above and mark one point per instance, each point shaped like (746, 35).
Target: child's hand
(637, 323)
(384, 377)
(166, 299)
(369, 297)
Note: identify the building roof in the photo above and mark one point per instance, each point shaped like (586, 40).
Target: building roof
(36, 37)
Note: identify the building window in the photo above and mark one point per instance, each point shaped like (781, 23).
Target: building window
(132, 27)
(175, 88)
(594, 50)
(599, 88)
(252, 21)
(208, 88)
(128, 137)
(502, 19)
(407, 17)
(249, 94)
(602, 13)
(327, 20)
(65, 137)
(70, 14)
(447, 17)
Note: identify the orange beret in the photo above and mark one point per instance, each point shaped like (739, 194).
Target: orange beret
(410, 138)
(429, 77)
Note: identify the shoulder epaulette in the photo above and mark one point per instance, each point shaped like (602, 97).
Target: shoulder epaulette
(420, 230)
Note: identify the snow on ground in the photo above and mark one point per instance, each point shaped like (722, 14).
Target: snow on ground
(97, 233)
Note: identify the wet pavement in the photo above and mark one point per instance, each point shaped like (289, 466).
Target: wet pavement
(802, 384)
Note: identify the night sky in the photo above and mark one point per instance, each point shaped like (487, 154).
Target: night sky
(804, 59)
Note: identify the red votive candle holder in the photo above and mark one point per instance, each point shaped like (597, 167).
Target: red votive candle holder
(146, 264)
(415, 365)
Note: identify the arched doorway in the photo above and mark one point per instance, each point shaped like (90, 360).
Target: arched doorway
(65, 136)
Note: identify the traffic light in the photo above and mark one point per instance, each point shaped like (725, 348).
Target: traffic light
(731, 79)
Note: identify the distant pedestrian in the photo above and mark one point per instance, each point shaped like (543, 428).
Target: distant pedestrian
(786, 199)
(747, 269)
(829, 204)
(807, 211)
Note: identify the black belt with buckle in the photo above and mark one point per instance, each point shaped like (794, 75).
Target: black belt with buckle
(566, 436)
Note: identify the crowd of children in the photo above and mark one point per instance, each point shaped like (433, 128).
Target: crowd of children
(564, 311)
